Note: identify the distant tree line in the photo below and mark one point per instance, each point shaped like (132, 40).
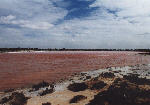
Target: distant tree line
(64, 49)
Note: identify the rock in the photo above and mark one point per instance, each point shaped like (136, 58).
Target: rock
(83, 74)
(135, 79)
(95, 79)
(98, 85)
(122, 92)
(18, 99)
(40, 85)
(75, 87)
(88, 77)
(4, 100)
(107, 75)
(47, 91)
(15, 99)
(77, 98)
(46, 103)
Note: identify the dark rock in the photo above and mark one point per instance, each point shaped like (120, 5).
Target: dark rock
(95, 79)
(81, 78)
(75, 87)
(135, 79)
(98, 85)
(122, 92)
(40, 85)
(75, 74)
(18, 99)
(83, 74)
(88, 77)
(4, 100)
(70, 79)
(117, 80)
(46, 103)
(77, 98)
(47, 91)
(15, 99)
(107, 75)
(116, 71)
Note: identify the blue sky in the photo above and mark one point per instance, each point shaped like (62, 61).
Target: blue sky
(75, 23)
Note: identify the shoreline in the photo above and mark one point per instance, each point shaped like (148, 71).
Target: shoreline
(61, 88)
(30, 52)
(68, 77)
(27, 69)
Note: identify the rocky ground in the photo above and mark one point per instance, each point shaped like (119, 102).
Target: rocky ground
(129, 85)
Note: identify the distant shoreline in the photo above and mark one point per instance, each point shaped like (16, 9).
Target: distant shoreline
(2, 50)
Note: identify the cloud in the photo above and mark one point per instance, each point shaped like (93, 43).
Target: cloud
(126, 8)
(7, 18)
(75, 23)
(39, 25)
(25, 23)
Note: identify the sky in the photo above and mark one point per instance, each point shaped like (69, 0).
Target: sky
(75, 23)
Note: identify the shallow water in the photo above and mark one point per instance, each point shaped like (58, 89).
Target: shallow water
(25, 69)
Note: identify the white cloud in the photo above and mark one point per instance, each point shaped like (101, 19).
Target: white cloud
(126, 7)
(6, 19)
(39, 25)
(115, 24)
(25, 23)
